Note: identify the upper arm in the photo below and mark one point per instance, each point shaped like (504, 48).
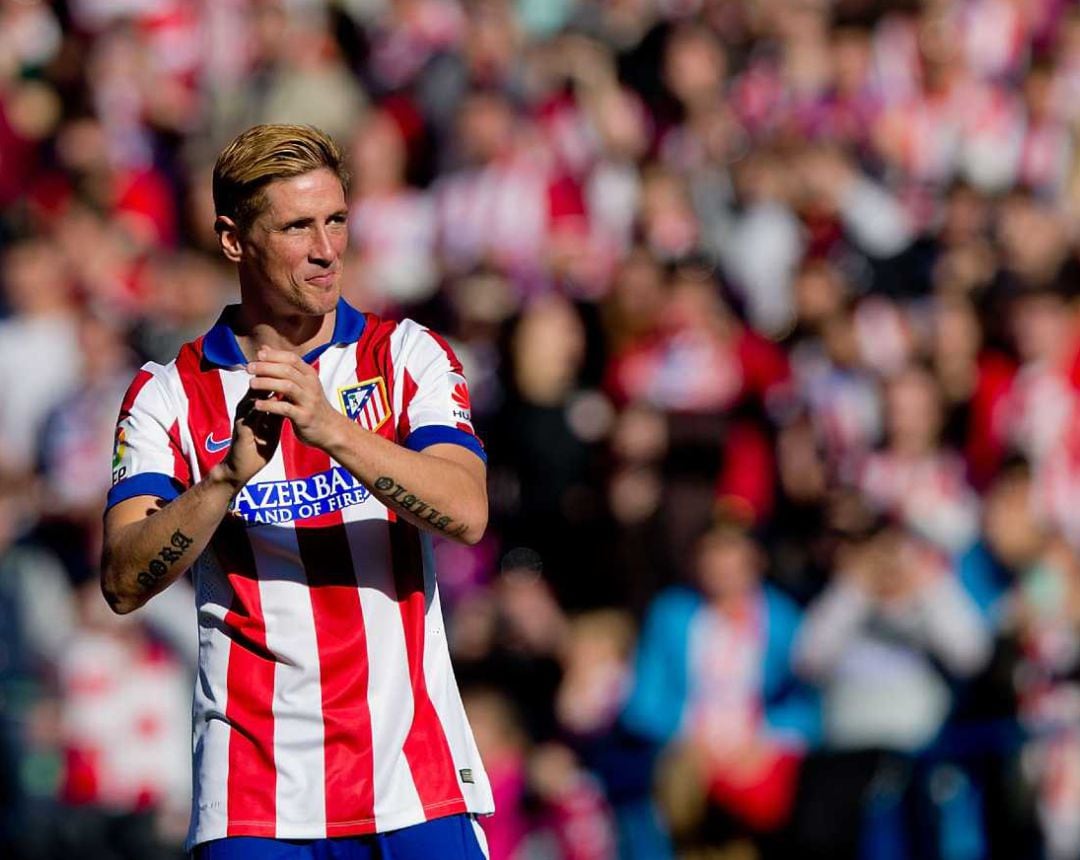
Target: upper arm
(434, 396)
(148, 465)
(130, 511)
(465, 458)
(148, 459)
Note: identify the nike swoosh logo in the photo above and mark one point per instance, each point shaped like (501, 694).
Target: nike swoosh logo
(213, 446)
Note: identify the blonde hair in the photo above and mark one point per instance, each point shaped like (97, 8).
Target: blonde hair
(263, 153)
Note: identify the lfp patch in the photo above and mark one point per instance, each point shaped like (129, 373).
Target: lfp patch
(119, 447)
(366, 403)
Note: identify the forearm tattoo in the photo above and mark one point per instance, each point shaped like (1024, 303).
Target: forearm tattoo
(407, 501)
(165, 560)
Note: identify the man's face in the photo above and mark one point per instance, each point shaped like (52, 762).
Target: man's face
(292, 252)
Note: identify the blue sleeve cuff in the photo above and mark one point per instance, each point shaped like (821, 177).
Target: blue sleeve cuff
(437, 434)
(146, 484)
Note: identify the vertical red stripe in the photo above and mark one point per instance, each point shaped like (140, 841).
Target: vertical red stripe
(342, 644)
(252, 788)
(408, 392)
(137, 384)
(207, 410)
(426, 748)
(252, 791)
(181, 469)
(455, 365)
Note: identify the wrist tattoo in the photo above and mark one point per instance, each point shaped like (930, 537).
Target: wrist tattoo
(418, 508)
(167, 556)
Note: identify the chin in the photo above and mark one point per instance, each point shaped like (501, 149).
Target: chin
(318, 301)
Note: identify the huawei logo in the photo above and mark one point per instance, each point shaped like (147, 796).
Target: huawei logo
(461, 396)
(462, 407)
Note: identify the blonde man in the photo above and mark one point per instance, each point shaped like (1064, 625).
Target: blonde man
(297, 458)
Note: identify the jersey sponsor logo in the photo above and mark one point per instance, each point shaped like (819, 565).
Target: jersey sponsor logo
(460, 395)
(271, 502)
(366, 403)
(214, 445)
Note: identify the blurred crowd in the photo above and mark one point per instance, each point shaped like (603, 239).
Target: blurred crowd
(771, 315)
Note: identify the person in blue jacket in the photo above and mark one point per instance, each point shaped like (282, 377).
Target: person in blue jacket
(714, 686)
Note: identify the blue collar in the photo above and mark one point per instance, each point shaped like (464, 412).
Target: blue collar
(220, 346)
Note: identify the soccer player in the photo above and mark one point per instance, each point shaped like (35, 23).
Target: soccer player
(298, 457)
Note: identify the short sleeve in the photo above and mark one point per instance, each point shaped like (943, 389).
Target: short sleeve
(435, 404)
(147, 457)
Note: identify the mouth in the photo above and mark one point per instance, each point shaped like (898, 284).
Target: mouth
(326, 279)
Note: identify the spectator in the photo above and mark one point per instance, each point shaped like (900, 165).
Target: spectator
(799, 265)
(714, 680)
(884, 641)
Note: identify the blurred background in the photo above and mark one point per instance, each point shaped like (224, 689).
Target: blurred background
(771, 314)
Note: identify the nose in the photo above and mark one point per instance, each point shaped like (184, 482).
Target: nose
(322, 251)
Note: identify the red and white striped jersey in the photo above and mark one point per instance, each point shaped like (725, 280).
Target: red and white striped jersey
(326, 703)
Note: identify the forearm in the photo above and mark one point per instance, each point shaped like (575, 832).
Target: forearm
(953, 628)
(436, 494)
(830, 624)
(143, 558)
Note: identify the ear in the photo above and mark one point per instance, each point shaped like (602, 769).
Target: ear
(229, 238)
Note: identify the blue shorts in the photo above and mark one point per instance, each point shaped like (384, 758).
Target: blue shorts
(456, 837)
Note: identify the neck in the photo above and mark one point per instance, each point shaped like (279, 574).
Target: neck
(257, 326)
(732, 605)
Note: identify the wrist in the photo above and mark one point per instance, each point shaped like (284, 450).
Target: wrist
(226, 478)
(336, 435)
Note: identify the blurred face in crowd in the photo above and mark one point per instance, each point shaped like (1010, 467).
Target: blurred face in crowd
(1033, 239)
(34, 278)
(485, 127)
(290, 258)
(548, 349)
(102, 345)
(379, 155)
(637, 295)
(819, 292)
(838, 337)
(851, 51)
(886, 564)
(1041, 326)
(727, 565)
(668, 221)
(694, 66)
(957, 336)
(186, 288)
(1013, 532)
(914, 412)
(694, 305)
(620, 121)
(966, 216)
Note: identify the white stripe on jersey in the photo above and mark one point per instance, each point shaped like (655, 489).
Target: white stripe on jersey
(299, 754)
(443, 690)
(210, 802)
(210, 728)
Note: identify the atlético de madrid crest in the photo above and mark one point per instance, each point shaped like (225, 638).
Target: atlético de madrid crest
(366, 403)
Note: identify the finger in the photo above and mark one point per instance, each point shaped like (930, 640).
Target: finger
(277, 369)
(281, 356)
(284, 387)
(276, 407)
